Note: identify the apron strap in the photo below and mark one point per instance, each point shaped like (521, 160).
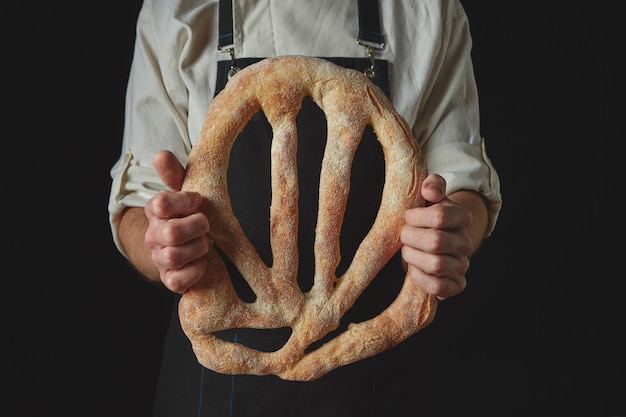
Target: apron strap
(369, 24)
(226, 38)
(370, 35)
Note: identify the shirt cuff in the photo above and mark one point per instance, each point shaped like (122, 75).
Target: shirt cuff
(466, 167)
(135, 181)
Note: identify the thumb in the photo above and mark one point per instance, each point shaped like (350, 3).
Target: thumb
(433, 188)
(170, 170)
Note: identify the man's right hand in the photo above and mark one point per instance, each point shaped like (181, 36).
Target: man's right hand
(177, 229)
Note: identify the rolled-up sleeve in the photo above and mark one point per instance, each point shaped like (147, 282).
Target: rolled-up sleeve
(155, 119)
(467, 167)
(447, 124)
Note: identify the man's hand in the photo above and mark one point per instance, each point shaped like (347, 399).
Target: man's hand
(177, 229)
(440, 237)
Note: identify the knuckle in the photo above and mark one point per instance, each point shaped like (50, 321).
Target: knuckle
(439, 216)
(404, 235)
(405, 252)
(148, 239)
(463, 284)
(436, 265)
(437, 239)
(435, 287)
(158, 204)
(173, 282)
(465, 265)
(170, 258)
(171, 233)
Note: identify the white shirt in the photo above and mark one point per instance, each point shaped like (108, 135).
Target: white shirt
(173, 74)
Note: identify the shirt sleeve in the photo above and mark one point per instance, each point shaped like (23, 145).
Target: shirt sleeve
(447, 125)
(155, 116)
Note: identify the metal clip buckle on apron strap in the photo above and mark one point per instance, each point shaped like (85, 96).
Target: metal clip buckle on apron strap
(370, 35)
(226, 40)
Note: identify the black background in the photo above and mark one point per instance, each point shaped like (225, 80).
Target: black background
(539, 330)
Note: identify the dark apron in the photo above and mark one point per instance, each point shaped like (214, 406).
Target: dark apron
(186, 388)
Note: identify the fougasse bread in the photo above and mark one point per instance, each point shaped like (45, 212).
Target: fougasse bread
(350, 102)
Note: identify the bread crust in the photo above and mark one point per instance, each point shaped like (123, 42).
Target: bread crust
(350, 102)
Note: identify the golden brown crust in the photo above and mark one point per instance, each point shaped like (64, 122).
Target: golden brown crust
(350, 102)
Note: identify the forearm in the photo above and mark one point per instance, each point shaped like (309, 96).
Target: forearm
(131, 231)
(475, 203)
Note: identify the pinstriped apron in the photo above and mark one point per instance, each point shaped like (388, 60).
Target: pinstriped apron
(185, 388)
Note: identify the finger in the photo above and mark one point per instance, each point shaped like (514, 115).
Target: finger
(170, 170)
(436, 216)
(441, 265)
(167, 204)
(439, 286)
(178, 257)
(180, 280)
(446, 216)
(183, 232)
(436, 241)
(428, 240)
